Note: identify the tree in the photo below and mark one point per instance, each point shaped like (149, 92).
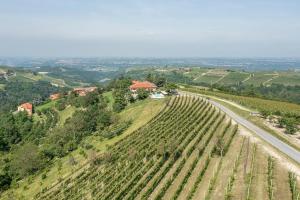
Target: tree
(60, 105)
(142, 94)
(8, 132)
(5, 181)
(170, 86)
(150, 77)
(26, 160)
(220, 146)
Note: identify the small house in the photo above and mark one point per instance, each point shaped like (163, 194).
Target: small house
(146, 85)
(27, 107)
(54, 96)
(84, 91)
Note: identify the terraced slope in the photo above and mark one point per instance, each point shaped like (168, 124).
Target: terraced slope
(190, 150)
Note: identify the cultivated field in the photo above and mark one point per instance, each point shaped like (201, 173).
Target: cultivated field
(259, 104)
(190, 150)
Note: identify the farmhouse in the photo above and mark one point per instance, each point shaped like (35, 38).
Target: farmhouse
(84, 91)
(54, 96)
(142, 85)
(25, 107)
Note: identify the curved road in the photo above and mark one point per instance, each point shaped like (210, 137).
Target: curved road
(283, 147)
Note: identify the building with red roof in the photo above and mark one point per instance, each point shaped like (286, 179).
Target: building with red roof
(84, 91)
(146, 85)
(26, 107)
(54, 96)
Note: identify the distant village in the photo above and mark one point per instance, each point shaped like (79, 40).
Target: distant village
(6, 74)
(83, 91)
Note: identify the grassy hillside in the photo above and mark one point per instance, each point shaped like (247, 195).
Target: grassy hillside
(190, 150)
(140, 113)
(255, 103)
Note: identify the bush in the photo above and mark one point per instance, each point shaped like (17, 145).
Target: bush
(60, 105)
(142, 94)
(5, 181)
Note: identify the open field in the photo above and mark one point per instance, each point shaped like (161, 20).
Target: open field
(234, 78)
(288, 78)
(225, 76)
(189, 150)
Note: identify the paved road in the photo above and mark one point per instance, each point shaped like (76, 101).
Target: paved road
(283, 147)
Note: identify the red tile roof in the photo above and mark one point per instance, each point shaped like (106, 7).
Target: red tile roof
(54, 96)
(84, 91)
(27, 106)
(142, 85)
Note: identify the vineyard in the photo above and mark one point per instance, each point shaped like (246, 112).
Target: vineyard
(275, 107)
(190, 150)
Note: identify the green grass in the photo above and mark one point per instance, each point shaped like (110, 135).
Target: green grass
(45, 106)
(234, 78)
(2, 86)
(258, 79)
(110, 99)
(65, 114)
(287, 79)
(208, 79)
(56, 81)
(255, 103)
(140, 113)
(195, 72)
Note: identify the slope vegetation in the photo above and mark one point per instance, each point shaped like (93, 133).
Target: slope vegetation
(190, 150)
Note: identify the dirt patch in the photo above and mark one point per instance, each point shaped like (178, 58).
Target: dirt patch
(281, 159)
(295, 138)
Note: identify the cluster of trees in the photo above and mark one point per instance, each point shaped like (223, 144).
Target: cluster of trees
(31, 145)
(289, 123)
(13, 129)
(17, 92)
(86, 120)
(273, 91)
(121, 92)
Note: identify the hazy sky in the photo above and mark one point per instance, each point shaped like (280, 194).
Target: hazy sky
(159, 28)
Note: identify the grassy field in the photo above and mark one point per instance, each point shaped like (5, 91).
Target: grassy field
(141, 112)
(65, 114)
(45, 106)
(234, 78)
(110, 99)
(258, 78)
(255, 103)
(209, 79)
(231, 77)
(189, 150)
(2, 86)
(288, 78)
(28, 76)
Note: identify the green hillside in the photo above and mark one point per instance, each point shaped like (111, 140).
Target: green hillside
(140, 113)
(189, 150)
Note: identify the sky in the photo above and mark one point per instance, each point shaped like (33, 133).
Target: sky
(150, 28)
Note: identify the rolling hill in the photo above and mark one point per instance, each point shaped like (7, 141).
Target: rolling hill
(190, 150)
